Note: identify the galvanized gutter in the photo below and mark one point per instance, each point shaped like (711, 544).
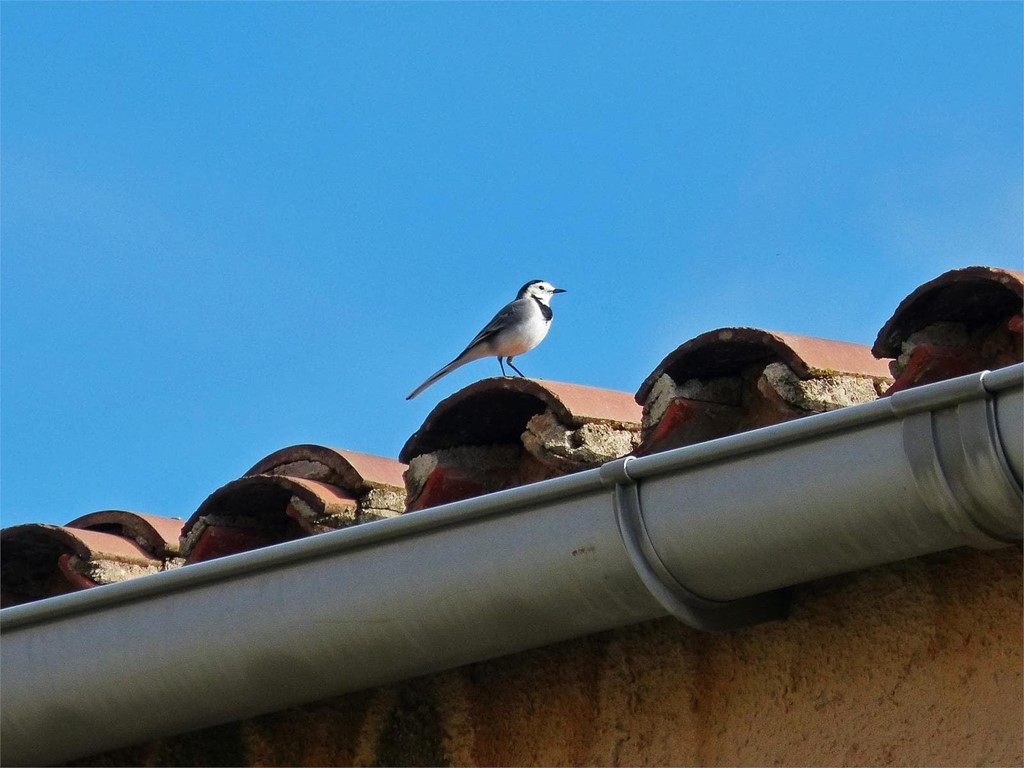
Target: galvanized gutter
(711, 533)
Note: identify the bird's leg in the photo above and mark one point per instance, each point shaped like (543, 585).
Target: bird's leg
(502, 366)
(509, 361)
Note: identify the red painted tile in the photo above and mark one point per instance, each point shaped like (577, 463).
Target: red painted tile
(929, 363)
(73, 577)
(221, 540)
(445, 485)
(686, 422)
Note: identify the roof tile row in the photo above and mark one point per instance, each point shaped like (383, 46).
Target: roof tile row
(502, 432)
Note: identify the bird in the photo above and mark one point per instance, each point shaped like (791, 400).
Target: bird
(518, 327)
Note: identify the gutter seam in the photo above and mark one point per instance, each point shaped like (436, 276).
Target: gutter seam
(685, 605)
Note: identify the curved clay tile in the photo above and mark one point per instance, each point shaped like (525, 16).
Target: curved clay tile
(504, 432)
(732, 380)
(39, 560)
(496, 410)
(261, 510)
(85, 544)
(727, 351)
(973, 296)
(353, 470)
(157, 535)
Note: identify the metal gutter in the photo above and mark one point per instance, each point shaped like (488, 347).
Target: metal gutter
(711, 533)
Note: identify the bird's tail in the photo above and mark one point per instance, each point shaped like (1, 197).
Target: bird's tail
(456, 363)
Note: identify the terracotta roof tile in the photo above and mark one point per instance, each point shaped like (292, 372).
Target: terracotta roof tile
(157, 535)
(972, 295)
(40, 560)
(727, 351)
(735, 379)
(963, 321)
(347, 469)
(259, 510)
(497, 410)
(87, 544)
(504, 432)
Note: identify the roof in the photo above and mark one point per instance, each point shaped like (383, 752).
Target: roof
(307, 489)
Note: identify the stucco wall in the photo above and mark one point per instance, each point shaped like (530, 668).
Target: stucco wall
(918, 663)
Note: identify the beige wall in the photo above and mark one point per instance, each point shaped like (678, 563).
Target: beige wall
(918, 663)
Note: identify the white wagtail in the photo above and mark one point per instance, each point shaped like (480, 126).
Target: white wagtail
(516, 329)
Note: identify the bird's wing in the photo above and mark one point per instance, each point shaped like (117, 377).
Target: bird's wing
(506, 316)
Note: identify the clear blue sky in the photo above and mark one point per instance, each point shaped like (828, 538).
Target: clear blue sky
(232, 227)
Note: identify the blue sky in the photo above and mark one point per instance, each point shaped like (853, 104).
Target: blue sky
(231, 227)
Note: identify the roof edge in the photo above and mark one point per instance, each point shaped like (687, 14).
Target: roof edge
(971, 497)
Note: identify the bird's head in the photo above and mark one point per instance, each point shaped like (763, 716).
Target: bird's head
(541, 290)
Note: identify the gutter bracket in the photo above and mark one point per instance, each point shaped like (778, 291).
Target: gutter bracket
(690, 608)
